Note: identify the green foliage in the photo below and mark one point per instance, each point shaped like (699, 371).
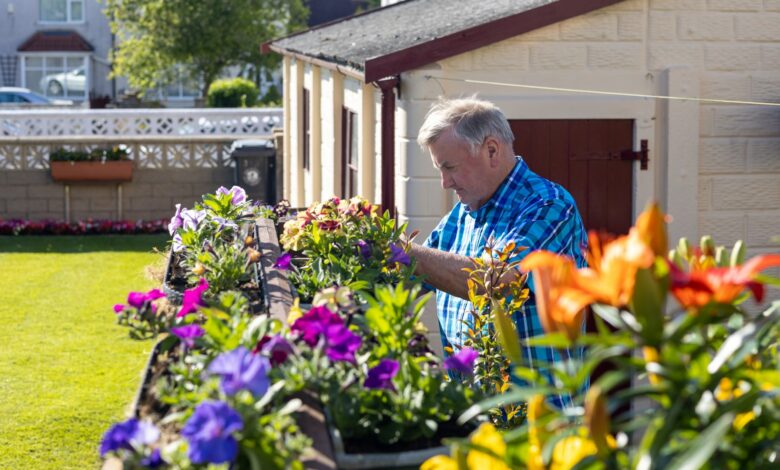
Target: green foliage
(203, 36)
(232, 93)
(272, 97)
(68, 371)
(110, 154)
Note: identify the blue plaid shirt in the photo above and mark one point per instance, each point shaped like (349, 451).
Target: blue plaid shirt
(529, 210)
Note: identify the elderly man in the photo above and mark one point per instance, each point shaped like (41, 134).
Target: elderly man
(470, 143)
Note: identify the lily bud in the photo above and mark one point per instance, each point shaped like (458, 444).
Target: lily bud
(707, 245)
(199, 269)
(652, 228)
(597, 419)
(738, 253)
(253, 255)
(248, 241)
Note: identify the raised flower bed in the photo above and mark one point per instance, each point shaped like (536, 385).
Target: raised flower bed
(99, 165)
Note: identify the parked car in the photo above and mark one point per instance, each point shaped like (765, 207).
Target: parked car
(74, 81)
(10, 96)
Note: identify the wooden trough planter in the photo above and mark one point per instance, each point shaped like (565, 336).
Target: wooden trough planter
(74, 172)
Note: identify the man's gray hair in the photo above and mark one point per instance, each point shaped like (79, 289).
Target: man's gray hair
(472, 120)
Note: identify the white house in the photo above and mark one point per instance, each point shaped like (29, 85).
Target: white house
(356, 92)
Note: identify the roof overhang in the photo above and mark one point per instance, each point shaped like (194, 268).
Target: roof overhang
(56, 41)
(454, 44)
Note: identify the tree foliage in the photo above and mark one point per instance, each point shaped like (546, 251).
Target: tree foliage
(203, 36)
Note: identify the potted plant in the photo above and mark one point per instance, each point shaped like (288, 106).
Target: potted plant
(217, 240)
(101, 165)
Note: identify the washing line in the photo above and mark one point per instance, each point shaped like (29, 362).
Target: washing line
(600, 92)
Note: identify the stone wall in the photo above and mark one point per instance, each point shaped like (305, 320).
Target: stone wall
(32, 195)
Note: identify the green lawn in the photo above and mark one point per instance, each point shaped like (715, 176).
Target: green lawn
(67, 370)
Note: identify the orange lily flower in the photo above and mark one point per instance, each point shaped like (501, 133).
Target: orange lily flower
(559, 300)
(699, 287)
(652, 229)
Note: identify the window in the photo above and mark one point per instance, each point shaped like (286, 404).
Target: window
(183, 87)
(57, 76)
(349, 153)
(306, 130)
(61, 11)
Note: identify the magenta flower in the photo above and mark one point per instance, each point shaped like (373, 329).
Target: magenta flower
(193, 298)
(154, 294)
(188, 333)
(209, 432)
(119, 308)
(239, 369)
(237, 194)
(275, 347)
(381, 375)
(462, 361)
(398, 255)
(136, 299)
(283, 261)
(176, 221)
(364, 248)
(313, 324)
(127, 435)
(341, 344)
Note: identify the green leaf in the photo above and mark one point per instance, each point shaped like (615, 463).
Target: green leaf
(648, 306)
(703, 446)
(554, 340)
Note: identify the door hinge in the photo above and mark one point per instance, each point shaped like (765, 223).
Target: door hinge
(629, 155)
(642, 155)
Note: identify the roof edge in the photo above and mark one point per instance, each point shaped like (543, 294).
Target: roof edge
(343, 69)
(478, 36)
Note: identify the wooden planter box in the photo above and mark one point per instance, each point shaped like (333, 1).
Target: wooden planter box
(72, 172)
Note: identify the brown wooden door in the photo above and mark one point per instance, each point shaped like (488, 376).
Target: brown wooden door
(580, 155)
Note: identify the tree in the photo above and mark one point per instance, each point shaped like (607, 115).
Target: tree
(201, 36)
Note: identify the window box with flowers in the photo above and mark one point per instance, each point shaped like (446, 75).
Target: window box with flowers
(98, 165)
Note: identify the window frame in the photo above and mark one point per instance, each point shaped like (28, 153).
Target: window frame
(68, 13)
(306, 131)
(349, 158)
(86, 64)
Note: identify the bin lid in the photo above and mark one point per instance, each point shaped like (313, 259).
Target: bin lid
(252, 144)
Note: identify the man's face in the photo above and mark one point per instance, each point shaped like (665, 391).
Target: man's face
(461, 171)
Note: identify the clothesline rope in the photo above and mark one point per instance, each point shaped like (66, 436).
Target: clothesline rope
(600, 92)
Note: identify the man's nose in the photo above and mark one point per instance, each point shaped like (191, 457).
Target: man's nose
(446, 181)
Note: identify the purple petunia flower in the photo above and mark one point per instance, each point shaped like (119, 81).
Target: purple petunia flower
(209, 432)
(462, 361)
(276, 347)
(223, 223)
(188, 333)
(177, 245)
(192, 218)
(237, 194)
(341, 344)
(398, 255)
(193, 298)
(154, 294)
(364, 248)
(283, 261)
(154, 460)
(381, 375)
(313, 324)
(119, 308)
(176, 221)
(239, 369)
(128, 435)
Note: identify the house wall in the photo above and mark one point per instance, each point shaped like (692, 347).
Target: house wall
(18, 26)
(714, 167)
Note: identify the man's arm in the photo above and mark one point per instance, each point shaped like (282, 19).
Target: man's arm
(443, 270)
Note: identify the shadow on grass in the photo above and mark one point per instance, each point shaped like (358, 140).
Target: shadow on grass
(82, 243)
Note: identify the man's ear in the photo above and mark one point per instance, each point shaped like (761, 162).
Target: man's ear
(492, 146)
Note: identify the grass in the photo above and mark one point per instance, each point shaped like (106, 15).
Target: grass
(67, 370)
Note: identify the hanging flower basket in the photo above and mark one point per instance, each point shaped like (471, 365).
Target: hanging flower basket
(109, 171)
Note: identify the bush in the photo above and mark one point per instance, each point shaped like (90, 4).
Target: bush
(111, 154)
(232, 93)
